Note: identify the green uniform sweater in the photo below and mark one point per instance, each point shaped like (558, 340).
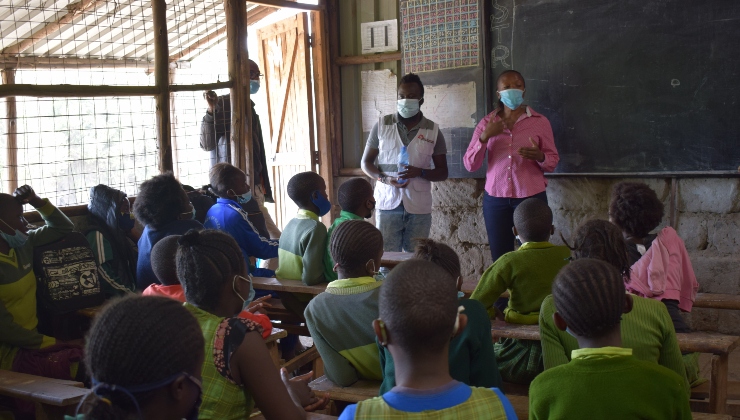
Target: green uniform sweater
(647, 330)
(603, 384)
(329, 272)
(471, 353)
(340, 321)
(302, 248)
(18, 319)
(527, 274)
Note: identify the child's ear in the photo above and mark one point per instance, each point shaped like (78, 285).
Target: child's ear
(559, 321)
(177, 388)
(380, 331)
(336, 266)
(459, 283)
(463, 324)
(513, 229)
(552, 230)
(628, 303)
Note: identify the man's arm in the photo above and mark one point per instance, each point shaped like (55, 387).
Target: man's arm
(370, 154)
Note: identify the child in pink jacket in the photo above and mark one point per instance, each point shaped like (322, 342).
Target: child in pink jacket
(661, 268)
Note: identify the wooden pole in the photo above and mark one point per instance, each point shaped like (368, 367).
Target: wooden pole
(236, 49)
(173, 125)
(162, 83)
(12, 139)
(287, 4)
(335, 88)
(7, 61)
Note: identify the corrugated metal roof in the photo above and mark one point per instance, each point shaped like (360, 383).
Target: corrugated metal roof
(110, 29)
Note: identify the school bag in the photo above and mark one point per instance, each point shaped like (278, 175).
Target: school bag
(66, 275)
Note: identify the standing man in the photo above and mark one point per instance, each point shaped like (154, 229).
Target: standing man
(215, 136)
(404, 199)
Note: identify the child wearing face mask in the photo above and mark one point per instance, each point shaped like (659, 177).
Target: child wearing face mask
(164, 265)
(340, 319)
(111, 235)
(229, 183)
(356, 199)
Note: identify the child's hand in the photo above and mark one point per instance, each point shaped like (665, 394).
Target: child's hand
(298, 388)
(26, 195)
(258, 304)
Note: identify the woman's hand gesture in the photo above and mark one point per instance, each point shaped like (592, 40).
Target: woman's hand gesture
(493, 128)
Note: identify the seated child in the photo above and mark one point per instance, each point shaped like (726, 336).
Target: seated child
(603, 379)
(164, 265)
(356, 199)
(230, 184)
(110, 233)
(145, 356)
(340, 320)
(419, 314)
(472, 360)
(22, 347)
(646, 329)
(162, 206)
(527, 274)
(661, 268)
(238, 372)
(303, 241)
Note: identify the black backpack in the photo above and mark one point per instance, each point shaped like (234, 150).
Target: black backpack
(66, 275)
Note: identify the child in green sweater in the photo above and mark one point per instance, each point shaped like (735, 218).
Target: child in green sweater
(340, 320)
(603, 380)
(356, 200)
(472, 360)
(527, 274)
(419, 315)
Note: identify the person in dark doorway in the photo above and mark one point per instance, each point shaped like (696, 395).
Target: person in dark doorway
(215, 134)
(521, 148)
(404, 199)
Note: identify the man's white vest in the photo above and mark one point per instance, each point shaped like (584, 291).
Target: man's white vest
(417, 196)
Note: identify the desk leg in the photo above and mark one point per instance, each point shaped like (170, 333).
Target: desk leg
(718, 384)
(272, 348)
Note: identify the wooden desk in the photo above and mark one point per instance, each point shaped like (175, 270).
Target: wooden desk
(294, 286)
(257, 415)
(392, 259)
(52, 397)
(90, 312)
(271, 344)
(718, 345)
(359, 391)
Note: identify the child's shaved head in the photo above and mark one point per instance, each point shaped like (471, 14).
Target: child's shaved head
(418, 303)
(533, 220)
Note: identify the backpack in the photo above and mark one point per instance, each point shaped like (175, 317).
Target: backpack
(66, 275)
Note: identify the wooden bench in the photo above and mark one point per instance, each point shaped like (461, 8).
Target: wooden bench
(272, 345)
(310, 416)
(53, 397)
(293, 286)
(718, 345)
(717, 301)
(392, 259)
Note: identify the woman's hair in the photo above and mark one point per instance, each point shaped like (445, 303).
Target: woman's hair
(589, 295)
(438, 253)
(635, 208)
(500, 104)
(354, 243)
(602, 240)
(206, 260)
(135, 341)
(223, 176)
(160, 200)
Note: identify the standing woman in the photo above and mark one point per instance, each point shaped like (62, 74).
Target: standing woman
(521, 149)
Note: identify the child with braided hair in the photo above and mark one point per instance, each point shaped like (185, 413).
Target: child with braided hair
(340, 319)
(527, 274)
(356, 200)
(603, 379)
(419, 313)
(144, 356)
(164, 265)
(646, 329)
(238, 372)
(472, 360)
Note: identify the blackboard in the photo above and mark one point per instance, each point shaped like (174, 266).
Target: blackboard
(629, 85)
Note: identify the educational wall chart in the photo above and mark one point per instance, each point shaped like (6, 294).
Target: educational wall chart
(378, 96)
(379, 36)
(440, 100)
(439, 34)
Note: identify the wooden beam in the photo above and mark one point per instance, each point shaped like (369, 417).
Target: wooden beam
(236, 49)
(287, 4)
(74, 10)
(195, 46)
(324, 131)
(75, 91)
(204, 86)
(15, 62)
(368, 59)
(335, 88)
(162, 83)
(12, 134)
(172, 74)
